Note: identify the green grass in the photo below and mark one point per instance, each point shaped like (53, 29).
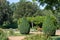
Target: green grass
(56, 37)
(42, 37)
(10, 32)
(36, 37)
(32, 36)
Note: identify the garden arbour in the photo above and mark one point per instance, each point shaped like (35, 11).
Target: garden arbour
(38, 20)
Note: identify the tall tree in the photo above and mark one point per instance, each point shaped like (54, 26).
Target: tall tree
(50, 3)
(25, 8)
(13, 6)
(53, 5)
(5, 11)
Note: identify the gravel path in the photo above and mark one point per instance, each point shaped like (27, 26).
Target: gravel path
(22, 37)
(16, 37)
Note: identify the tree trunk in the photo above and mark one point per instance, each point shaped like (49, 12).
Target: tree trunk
(32, 24)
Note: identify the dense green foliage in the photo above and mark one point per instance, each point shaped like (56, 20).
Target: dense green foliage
(5, 11)
(11, 32)
(11, 13)
(23, 26)
(50, 3)
(55, 38)
(48, 26)
(26, 9)
(42, 37)
(23, 8)
(54, 6)
(13, 6)
(6, 24)
(38, 37)
(3, 35)
(39, 21)
(34, 19)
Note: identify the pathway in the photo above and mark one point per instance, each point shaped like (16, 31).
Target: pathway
(16, 37)
(22, 37)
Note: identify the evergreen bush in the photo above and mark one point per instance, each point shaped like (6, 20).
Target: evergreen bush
(3, 35)
(48, 26)
(23, 26)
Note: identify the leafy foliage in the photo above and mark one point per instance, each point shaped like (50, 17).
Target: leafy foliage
(38, 37)
(13, 6)
(53, 5)
(48, 26)
(11, 32)
(55, 38)
(23, 26)
(5, 11)
(3, 35)
(26, 9)
(50, 3)
(8, 24)
(40, 19)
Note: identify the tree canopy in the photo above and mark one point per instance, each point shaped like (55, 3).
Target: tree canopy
(50, 3)
(26, 9)
(5, 11)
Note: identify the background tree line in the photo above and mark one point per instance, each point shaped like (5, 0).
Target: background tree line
(10, 13)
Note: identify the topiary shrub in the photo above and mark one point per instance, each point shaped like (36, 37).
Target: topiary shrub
(48, 26)
(23, 26)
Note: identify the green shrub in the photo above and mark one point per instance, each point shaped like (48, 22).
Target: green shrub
(56, 38)
(40, 19)
(11, 32)
(48, 26)
(3, 35)
(5, 24)
(34, 19)
(23, 26)
(38, 37)
(8, 24)
(13, 25)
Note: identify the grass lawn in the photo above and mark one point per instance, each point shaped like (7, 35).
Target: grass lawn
(31, 36)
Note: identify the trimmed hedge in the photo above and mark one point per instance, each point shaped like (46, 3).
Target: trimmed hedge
(23, 26)
(39, 19)
(10, 25)
(48, 26)
(36, 20)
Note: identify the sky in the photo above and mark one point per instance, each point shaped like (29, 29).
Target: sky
(11, 1)
(14, 1)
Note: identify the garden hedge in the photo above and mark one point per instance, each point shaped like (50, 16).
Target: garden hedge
(23, 26)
